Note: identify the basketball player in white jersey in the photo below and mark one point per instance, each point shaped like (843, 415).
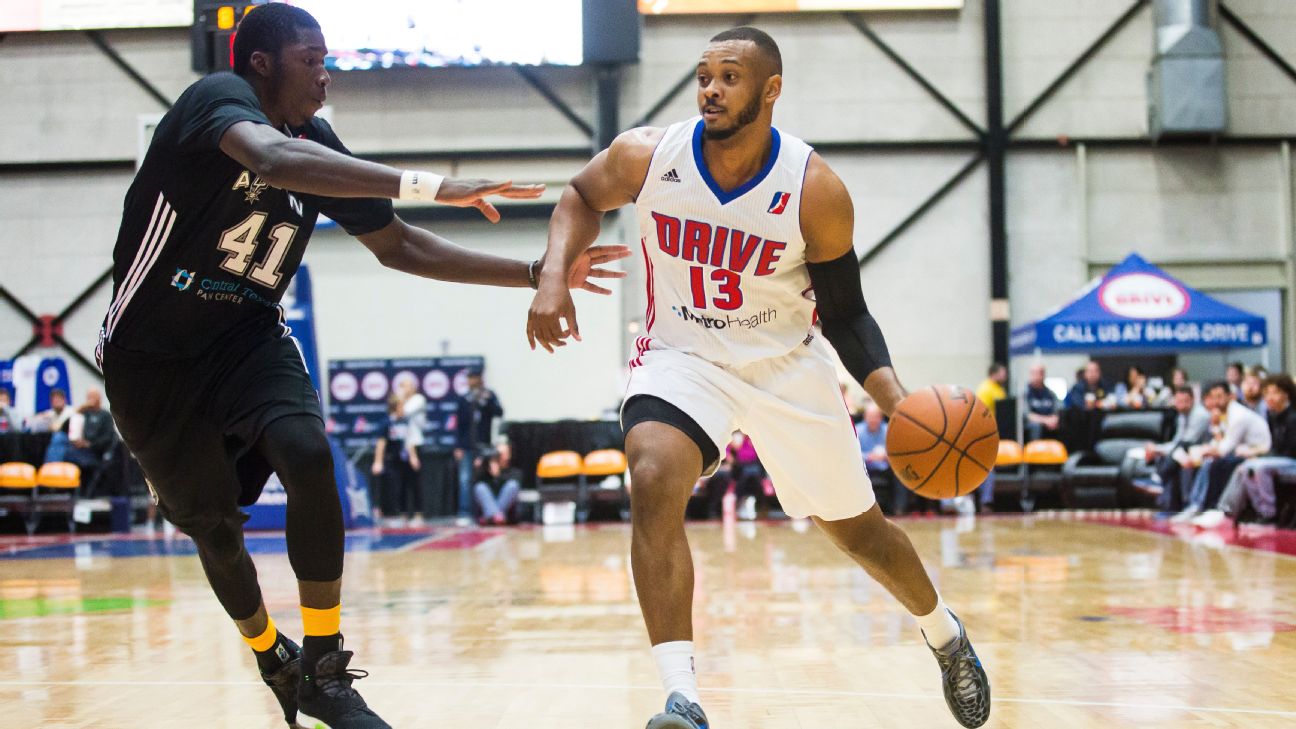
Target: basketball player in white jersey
(747, 234)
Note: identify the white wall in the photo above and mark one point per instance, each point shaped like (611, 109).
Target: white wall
(60, 100)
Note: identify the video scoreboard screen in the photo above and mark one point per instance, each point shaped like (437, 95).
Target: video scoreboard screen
(717, 7)
(30, 15)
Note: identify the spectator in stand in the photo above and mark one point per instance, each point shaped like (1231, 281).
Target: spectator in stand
(1245, 435)
(1041, 407)
(55, 419)
(1091, 392)
(1233, 375)
(9, 420)
(1253, 391)
(991, 390)
(1253, 483)
(475, 430)
(1170, 459)
(1137, 393)
(872, 431)
(748, 476)
(92, 436)
(741, 469)
(395, 467)
(496, 486)
(1178, 379)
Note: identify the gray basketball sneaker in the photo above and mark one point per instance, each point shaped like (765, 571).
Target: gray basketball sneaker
(680, 713)
(967, 688)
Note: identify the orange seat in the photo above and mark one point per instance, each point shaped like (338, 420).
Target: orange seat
(16, 475)
(559, 464)
(608, 462)
(1045, 453)
(1010, 453)
(59, 475)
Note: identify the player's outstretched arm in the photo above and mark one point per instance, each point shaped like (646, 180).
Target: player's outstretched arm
(404, 247)
(304, 166)
(827, 224)
(610, 180)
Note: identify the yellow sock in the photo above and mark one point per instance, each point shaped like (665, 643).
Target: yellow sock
(322, 622)
(266, 640)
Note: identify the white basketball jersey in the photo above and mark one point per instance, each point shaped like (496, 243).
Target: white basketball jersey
(726, 272)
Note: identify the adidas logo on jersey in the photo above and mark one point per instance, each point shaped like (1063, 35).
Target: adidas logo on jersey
(670, 176)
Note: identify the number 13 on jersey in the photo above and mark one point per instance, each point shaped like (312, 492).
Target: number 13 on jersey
(728, 296)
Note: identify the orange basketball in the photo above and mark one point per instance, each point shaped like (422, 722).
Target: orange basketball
(942, 441)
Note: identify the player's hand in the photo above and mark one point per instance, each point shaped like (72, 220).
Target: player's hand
(471, 193)
(377, 468)
(551, 307)
(586, 268)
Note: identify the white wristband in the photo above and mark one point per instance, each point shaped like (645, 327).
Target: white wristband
(417, 185)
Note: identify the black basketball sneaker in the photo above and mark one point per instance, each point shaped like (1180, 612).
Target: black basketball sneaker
(283, 682)
(967, 688)
(680, 713)
(326, 700)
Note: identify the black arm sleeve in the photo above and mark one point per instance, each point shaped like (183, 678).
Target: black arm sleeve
(847, 324)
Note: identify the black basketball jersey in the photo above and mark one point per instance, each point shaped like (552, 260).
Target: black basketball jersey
(206, 248)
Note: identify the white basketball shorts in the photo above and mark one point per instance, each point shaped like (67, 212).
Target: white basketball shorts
(790, 406)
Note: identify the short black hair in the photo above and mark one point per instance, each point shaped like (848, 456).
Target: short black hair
(995, 368)
(1185, 389)
(268, 28)
(58, 391)
(1284, 382)
(763, 42)
(1216, 385)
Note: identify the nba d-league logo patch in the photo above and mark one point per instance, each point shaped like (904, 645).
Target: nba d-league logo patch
(779, 203)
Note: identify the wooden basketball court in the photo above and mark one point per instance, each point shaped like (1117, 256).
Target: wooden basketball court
(1096, 621)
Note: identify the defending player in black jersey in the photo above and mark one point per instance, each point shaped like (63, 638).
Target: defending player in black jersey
(207, 389)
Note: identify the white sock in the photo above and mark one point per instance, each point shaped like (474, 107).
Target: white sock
(675, 667)
(938, 626)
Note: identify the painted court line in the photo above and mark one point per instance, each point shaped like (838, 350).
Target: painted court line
(627, 687)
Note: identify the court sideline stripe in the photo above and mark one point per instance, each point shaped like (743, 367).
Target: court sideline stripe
(730, 690)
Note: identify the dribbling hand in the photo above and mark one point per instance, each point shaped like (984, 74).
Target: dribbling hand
(552, 317)
(471, 193)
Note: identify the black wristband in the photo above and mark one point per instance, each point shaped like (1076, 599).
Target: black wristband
(531, 277)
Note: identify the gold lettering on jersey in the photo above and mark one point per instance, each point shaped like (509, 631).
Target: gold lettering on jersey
(253, 186)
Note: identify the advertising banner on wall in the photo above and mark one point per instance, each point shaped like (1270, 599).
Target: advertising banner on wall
(358, 390)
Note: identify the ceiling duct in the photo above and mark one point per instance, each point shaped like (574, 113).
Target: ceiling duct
(1186, 81)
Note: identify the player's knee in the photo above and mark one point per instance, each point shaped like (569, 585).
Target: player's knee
(221, 544)
(655, 481)
(300, 454)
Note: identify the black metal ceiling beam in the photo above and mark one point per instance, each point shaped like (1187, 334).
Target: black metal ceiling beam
(921, 210)
(858, 22)
(97, 165)
(535, 82)
(1260, 45)
(98, 39)
(1075, 65)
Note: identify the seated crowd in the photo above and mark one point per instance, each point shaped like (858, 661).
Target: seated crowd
(84, 435)
(1231, 436)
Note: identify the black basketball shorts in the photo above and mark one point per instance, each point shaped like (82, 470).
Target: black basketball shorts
(193, 423)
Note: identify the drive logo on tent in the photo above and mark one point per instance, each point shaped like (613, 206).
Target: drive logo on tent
(1143, 296)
